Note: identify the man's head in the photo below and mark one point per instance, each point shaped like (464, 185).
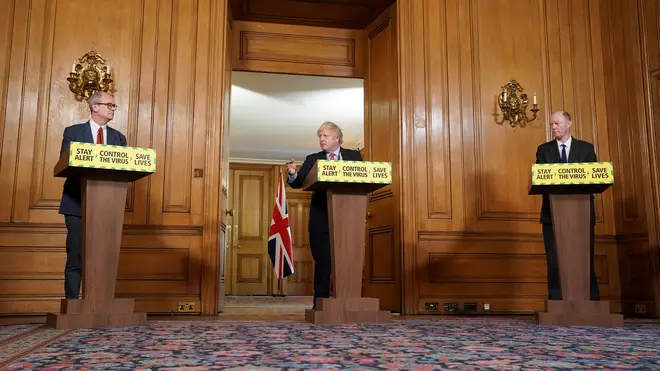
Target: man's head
(330, 136)
(102, 107)
(560, 123)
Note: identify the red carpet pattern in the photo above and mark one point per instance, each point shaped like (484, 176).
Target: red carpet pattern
(451, 343)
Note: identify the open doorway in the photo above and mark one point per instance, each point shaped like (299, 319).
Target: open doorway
(355, 43)
(273, 119)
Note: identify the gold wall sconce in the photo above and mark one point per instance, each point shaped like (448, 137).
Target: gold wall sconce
(89, 74)
(514, 106)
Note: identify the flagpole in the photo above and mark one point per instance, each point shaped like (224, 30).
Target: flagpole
(279, 289)
(279, 292)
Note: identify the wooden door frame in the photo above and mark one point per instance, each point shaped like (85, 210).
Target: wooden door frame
(214, 210)
(242, 60)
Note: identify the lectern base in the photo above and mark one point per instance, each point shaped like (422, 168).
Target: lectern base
(107, 320)
(355, 310)
(334, 318)
(89, 313)
(578, 313)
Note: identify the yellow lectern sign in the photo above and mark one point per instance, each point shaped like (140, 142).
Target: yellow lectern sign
(100, 156)
(573, 173)
(354, 172)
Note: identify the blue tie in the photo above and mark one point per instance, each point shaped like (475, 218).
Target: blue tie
(563, 153)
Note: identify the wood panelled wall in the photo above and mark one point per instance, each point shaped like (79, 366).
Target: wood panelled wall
(303, 50)
(466, 228)
(468, 231)
(167, 58)
(650, 21)
(632, 65)
(382, 263)
(649, 15)
(471, 233)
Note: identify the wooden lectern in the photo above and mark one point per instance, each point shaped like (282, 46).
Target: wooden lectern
(103, 204)
(347, 210)
(571, 218)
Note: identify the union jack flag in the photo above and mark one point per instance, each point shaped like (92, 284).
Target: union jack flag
(280, 248)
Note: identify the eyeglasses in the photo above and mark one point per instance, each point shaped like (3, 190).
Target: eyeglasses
(109, 105)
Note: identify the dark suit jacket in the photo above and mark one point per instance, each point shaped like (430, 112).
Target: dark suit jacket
(71, 193)
(318, 210)
(548, 153)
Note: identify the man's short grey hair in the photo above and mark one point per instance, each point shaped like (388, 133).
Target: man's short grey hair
(95, 98)
(333, 128)
(567, 116)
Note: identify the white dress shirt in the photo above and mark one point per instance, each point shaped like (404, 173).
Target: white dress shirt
(95, 129)
(568, 146)
(336, 152)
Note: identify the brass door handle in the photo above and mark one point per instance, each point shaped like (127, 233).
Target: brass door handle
(368, 214)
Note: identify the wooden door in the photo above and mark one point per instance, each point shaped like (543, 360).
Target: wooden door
(249, 266)
(382, 269)
(301, 282)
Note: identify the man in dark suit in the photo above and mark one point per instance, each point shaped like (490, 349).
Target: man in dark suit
(330, 140)
(102, 110)
(564, 148)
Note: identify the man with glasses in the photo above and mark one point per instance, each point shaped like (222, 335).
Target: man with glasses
(102, 109)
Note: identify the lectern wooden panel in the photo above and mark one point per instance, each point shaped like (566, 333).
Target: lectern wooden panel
(347, 189)
(569, 187)
(104, 172)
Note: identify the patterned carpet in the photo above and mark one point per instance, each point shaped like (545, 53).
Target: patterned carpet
(446, 343)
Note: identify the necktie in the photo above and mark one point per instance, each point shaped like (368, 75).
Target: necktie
(99, 136)
(563, 153)
(332, 156)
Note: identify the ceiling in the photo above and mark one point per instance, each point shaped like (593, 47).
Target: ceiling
(274, 117)
(355, 14)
